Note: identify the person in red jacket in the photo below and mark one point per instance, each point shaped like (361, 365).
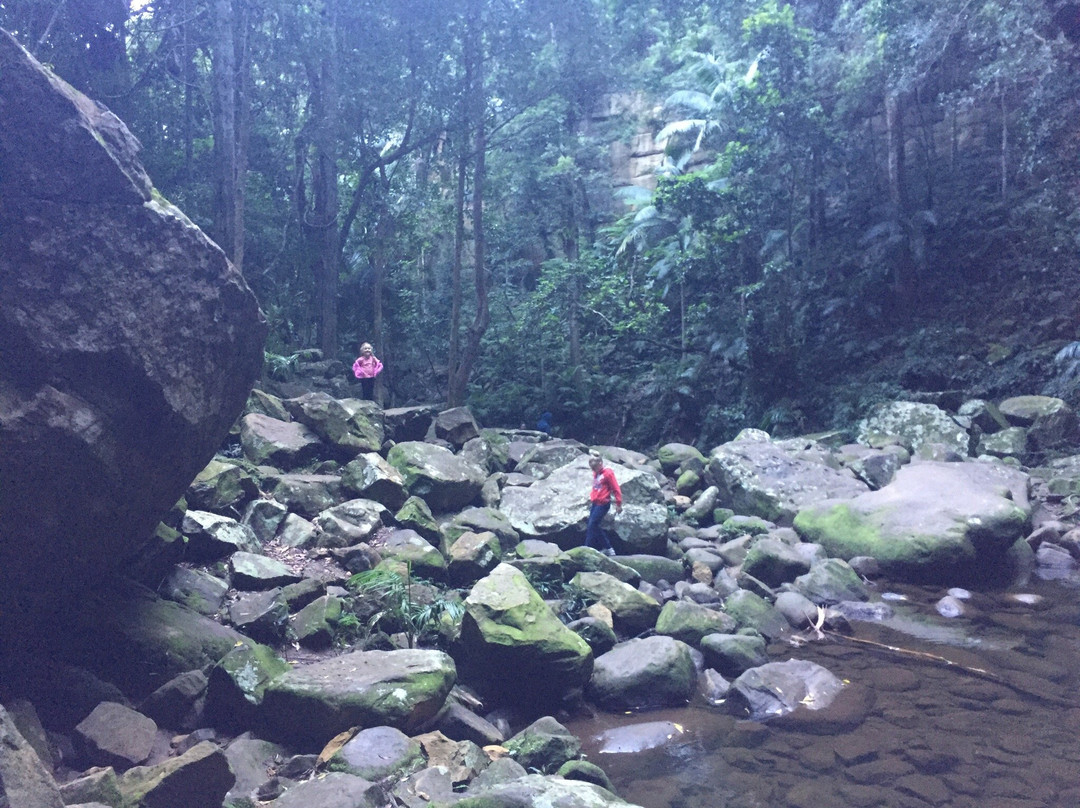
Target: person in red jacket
(604, 488)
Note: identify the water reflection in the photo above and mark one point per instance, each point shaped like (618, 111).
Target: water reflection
(931, 735)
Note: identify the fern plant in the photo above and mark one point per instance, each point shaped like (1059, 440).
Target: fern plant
(400, 610)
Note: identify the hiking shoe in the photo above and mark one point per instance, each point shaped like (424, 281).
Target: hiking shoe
(608, 551)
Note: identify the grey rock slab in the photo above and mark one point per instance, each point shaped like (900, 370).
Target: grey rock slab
(115, 735)
(211, 536)
(371, 477)
(284, 444)
(197, 590)
(544, 745)
(255, 572)
(379, 752)
(632, 610)
(689, 622)
(537, 789)
(512, 640)
(308, 494)
(774, 481)
(778, 688)
(731, 654)
(638, 737)
(24, 780)
(935, 521)
(442, 479)
(916, 424)
(310, 704)
(644, 674)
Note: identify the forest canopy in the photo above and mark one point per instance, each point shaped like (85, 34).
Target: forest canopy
(654, 219)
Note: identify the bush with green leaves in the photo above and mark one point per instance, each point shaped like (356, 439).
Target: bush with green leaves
(415, 608)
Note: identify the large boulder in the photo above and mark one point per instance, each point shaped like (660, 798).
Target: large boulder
(129, 342)
(285, 444)
(371, 477)
(934, 522)
(778, 688)
(916, 424)
(632, 611)
(644, 674)
(309, 705)
(24, 780)
(515, 643)
(328, 418)
(556, 508)
(200, 776)
(775, 480)
(445, 481)
(1050, 422)
(133, 623)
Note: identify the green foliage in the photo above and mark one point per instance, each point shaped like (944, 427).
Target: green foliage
(281, 368)
(399, 610)
(734, 288)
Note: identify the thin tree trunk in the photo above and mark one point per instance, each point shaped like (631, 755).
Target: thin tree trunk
(187, 54)
(903, 281)
(382, 240)
(475, 125)
(325, 188)
(225, 134)
(243, 129)
(1004, 141)
(454, 357)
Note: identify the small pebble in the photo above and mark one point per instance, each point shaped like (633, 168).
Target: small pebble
(949, 606)
(893, 596)
(959, 594)
(1026, 598)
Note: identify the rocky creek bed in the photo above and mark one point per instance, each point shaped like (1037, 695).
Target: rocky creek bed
(932, 734)
(359, 607)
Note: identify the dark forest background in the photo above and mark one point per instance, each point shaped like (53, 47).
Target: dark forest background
(656, 219)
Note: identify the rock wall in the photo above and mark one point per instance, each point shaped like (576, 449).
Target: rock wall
(128, 342)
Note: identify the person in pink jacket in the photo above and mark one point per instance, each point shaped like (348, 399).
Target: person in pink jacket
(366, 367)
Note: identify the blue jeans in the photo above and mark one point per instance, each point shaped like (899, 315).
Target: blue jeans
(595, 536)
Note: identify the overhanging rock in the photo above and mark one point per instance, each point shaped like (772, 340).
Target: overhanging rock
(128, 342)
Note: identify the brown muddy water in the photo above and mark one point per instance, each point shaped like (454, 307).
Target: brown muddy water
(910, 732)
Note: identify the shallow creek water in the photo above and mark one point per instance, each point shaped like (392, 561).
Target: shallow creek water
(932, 735)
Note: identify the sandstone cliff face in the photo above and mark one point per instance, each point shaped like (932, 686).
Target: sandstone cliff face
(128, 343)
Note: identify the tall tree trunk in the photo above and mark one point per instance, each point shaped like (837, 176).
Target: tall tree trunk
(817, 197)
(323, 224)
(229, 95)
(454, 357)
(187, 55)
(461, 370)
(571, 240)
(903, 267)
(1004, 154)
(383, 234)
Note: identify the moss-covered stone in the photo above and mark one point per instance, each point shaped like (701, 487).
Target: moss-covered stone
(200, 776)
(544, 745)
(508, 627)
(754, 612)
(689, 622)
(416, 515)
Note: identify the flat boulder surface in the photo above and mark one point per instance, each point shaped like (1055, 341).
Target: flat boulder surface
(128, 342)
(774, 480)
(556, 508)
(935, 521)
(309, 705)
